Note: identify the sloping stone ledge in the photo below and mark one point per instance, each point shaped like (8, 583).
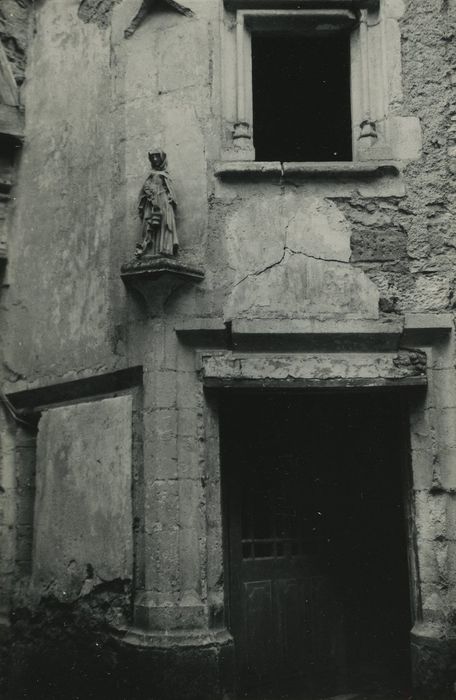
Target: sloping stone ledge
(225, 369)
(307, 335)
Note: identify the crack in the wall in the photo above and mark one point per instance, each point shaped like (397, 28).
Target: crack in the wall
(317, 257)
(278, 262)
(264, 269)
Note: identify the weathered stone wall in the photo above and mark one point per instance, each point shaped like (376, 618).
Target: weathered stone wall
(16, 486)
(406, 245)
(14, 33)
(276, 249)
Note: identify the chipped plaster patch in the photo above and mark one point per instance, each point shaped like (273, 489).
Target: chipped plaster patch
(97, 11)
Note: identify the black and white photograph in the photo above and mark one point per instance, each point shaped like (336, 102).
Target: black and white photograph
(227, 350)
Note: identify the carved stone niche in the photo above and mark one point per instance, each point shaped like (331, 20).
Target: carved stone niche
(155, 271)
(154, 277)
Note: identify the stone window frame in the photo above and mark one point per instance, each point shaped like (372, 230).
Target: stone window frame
(371, 129)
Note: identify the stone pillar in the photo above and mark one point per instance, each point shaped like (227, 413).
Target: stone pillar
(172, 624)
(175, 582)
(433, 449)
(7, 537)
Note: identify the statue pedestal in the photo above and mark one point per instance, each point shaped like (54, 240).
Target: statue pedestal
(156, 276)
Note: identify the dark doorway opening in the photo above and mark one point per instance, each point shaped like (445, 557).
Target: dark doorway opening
(301, 97)
(316, 543)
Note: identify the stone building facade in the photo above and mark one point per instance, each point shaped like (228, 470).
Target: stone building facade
(149, 406)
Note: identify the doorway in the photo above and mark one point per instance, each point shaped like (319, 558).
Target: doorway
(314, 488)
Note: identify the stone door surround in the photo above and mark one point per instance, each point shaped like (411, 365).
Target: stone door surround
(414, 354)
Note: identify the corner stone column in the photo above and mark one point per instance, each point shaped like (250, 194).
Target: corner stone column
(433, 450)
(171, 609)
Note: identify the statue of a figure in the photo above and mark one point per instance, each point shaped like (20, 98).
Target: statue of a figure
(156, 207)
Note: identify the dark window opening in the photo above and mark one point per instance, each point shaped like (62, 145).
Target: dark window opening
(301, 97)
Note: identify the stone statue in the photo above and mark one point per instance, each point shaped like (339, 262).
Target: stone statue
(156, 207)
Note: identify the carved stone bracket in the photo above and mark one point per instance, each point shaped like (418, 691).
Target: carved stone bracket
(155, 276)
(147, 7)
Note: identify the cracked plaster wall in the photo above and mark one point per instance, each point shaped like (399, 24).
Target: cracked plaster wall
(305, 269)
(97, 11)
(83, 498)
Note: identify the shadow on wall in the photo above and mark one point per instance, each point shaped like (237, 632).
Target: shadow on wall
(69, 651)
(65, 651)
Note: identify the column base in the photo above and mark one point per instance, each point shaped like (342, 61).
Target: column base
(5, 661)
(178, 665)
(433, 665)
(150, 616)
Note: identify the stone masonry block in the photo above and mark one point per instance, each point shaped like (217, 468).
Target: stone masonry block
(191, 457)
(422, 468)
(447, 468)
(431, 515)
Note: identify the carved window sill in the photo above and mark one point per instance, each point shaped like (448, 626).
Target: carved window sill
(258, 169)
(301, 4)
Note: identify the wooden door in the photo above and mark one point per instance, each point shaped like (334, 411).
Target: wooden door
(316, 544)
(283, 615)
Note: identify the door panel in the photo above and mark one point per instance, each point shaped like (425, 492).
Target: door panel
(259, 628)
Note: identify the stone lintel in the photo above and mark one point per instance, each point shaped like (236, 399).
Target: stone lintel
(268, 370)
(330, 383)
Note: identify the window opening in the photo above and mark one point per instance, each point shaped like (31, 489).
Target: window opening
(301, 97)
